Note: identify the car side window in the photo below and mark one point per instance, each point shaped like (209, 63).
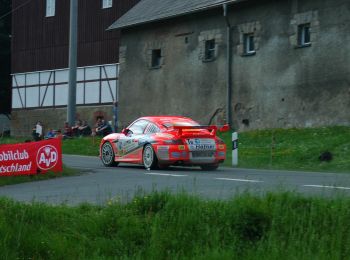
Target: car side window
(151, 129)
(138, 127)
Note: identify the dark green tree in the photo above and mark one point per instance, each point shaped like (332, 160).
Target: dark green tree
(5, 56)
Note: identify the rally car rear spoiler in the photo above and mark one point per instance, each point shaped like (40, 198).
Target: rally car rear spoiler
(212, 128)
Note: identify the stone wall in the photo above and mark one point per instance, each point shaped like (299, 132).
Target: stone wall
(22, 121)
(280, 85)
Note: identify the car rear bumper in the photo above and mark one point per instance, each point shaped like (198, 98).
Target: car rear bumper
(181, 155)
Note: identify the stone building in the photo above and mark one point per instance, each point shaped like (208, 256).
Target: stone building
(40, 36)
(283, 63)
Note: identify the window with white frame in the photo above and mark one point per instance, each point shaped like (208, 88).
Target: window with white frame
(249, 43)
(249, 38)
(209, 54)
(50, 8)
(304, 37)
(107, 4)
(304, 29)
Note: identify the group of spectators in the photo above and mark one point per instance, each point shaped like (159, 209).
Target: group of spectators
(81, 128)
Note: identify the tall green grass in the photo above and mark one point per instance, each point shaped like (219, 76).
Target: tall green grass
(165, 226)
(296, 149)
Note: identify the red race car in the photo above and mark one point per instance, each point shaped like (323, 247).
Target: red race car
(161, 141)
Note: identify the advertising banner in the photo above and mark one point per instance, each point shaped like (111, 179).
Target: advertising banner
(31, 158)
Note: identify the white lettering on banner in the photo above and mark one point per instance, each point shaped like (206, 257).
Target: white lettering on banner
(13, 168)
(47, 157)
(13, 156)
(47, 161)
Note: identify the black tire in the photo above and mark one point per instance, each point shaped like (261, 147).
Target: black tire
(209, 167)
(107, 155)
(149, 157)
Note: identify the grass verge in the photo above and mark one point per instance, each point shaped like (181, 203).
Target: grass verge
(285, 149)
(296, 149)
(165, 226)
(82, 146)
(10, 180)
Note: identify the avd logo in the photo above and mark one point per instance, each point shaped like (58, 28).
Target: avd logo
(47, 157)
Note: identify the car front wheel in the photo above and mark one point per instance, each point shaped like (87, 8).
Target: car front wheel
(149, 157)
(107, 155)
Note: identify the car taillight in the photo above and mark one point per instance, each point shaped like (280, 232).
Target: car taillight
(219, 141)
(174, 141)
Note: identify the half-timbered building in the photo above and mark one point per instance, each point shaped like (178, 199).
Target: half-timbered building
(40, 36)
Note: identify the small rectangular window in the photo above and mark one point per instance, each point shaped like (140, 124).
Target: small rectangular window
(107, 4)
(156, 58)
(249, 43)
(304, 36)
(209, 50)
(50, 8)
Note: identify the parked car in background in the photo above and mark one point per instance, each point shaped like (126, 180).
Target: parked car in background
(162, 141)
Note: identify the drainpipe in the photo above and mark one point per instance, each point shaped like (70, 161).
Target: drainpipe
(228, 66)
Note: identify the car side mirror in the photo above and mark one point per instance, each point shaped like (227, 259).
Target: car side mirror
(125, 131)
(225, 128)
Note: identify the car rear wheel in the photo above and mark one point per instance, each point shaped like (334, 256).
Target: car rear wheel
(107, 155)
(209, 167)
(149, 157)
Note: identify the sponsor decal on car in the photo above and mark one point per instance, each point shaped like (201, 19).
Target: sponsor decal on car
(200, 144)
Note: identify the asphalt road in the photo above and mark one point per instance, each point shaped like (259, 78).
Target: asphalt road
(98, 184)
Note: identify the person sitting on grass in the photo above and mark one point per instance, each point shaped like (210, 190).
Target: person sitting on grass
(67, 130)
(50, 134)
(75, 128)
(84, 129)
(59, 134)
(104, 128)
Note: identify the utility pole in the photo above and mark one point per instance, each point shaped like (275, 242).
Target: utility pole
(72, 84)
(228, 67)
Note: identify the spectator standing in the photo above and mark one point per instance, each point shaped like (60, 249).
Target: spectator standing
(37, 132)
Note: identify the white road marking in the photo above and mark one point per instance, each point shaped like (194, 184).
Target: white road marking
(166, 174)
(327, 187)
(241, 180)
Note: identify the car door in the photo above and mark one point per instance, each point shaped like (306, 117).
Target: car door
(128, 145)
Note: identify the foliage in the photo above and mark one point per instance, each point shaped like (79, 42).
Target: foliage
(274, 226)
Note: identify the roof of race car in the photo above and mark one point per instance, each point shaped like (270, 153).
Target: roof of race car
(162, 120)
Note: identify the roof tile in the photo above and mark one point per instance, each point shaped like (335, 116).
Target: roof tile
(153, 10)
